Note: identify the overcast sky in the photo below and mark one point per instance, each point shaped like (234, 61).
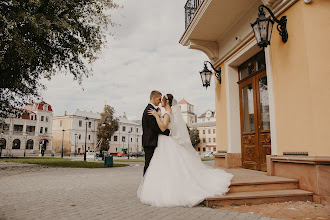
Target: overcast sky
(145, 55)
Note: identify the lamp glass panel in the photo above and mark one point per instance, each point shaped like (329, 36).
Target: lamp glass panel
(208, 77)
(256, 31)
(270, 28)
(263, 30)
(203, 77)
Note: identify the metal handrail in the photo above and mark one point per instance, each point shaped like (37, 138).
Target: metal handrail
(190, 9)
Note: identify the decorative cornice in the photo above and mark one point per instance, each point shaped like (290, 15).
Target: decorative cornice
(269, 3)
(210, 48)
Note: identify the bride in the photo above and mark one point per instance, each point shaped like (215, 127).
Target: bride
(176, 175)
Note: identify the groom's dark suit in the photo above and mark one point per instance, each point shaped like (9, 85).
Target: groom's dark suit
(150, 135)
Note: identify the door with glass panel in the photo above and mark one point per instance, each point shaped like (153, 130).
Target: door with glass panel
(254, 110)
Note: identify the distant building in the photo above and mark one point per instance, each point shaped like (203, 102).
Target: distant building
(187, 111)
(128, 138)
(29, 132)
(74, 134)
(207, 116)
(206, 125)
(207, 136)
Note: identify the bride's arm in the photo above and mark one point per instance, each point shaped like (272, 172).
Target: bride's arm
(161, 124)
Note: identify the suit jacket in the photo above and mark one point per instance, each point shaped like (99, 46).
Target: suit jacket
(150, 129)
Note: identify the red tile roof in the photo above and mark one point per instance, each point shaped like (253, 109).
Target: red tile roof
(183, 102)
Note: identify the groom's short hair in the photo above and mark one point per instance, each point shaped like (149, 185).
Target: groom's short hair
(155, 93)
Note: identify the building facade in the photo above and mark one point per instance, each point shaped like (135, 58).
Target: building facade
(187, 111)
(271, 103)
(128, 138)
(70, 129)
(207, 136)
(29, 132)
(208, 116)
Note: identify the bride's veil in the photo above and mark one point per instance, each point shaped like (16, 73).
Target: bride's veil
(179, 130)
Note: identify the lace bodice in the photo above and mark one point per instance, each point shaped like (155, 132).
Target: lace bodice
(171, 119)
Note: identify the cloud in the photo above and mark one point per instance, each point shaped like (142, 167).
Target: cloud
(144, 55)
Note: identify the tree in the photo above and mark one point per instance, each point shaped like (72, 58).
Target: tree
(194, 137)
(104, 133)
(39, 38)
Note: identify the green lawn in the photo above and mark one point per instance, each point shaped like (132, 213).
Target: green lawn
(130, 160)
(207, 158)
(58, 162)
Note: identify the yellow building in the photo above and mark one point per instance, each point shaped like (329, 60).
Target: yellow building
(73, 131)
(207, 136)
(273, 104)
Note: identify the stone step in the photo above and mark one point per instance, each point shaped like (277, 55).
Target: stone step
(259, 197)
(247, 186)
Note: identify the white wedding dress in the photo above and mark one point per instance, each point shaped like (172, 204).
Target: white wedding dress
(176, 175)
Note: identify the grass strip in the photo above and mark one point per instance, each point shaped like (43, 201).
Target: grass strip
(59, 162)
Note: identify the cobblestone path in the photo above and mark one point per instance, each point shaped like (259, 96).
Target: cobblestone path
(74, 193)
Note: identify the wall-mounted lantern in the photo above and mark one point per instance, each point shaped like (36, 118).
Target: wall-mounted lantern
(206, 74)
(263, 26)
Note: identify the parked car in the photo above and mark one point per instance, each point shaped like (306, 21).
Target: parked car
(207, 154)
(120, 155)
(139, 154)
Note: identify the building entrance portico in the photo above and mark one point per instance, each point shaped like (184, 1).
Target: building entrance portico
(250, 108)
(255, 125)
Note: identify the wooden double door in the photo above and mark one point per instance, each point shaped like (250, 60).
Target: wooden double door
(255, 121)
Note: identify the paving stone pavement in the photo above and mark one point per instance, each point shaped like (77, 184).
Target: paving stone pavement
(75, 193)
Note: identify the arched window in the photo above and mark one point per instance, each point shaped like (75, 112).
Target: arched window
(3, 143)
(29, 144)
(16, 144)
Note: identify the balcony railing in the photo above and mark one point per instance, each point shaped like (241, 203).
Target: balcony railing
(190, 9)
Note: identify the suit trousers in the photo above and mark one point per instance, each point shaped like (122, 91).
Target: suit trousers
(149, 152)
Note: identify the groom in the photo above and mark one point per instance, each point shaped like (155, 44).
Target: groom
(151, 129)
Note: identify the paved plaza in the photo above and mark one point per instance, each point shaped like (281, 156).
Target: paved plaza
(34, 192)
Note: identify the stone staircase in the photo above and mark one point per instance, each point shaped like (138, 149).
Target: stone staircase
(257, 189)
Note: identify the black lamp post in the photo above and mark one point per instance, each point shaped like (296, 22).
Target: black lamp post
(25, 145)
(206, 74)
(75, 144)
(263, 26)
(128, 145)
(85, 139)
(2, 133)
(62, 142)
(103, 139)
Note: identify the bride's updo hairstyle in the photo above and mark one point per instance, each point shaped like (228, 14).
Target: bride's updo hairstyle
(168, 97)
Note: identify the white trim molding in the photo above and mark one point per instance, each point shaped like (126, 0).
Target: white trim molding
(271, 98)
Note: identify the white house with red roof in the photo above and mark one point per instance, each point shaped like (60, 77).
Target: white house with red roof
(29, 132)
(187, 111)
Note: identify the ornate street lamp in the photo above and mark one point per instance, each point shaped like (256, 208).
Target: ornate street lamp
(263, 26)
(128, 145)
(1, 140)
(103, 139)
(206, 74)
(85, 139)
(75, 144)
(62, 142)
